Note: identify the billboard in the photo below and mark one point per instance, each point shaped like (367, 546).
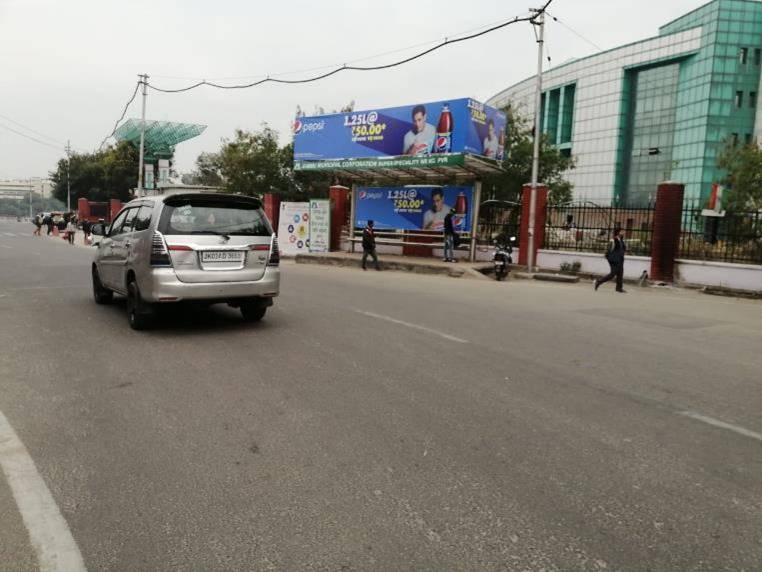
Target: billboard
(414, 208)
(419, 130)
(294, 228)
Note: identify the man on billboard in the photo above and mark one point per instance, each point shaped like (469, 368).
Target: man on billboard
(490, 141)
(420, 139)
(434, 218)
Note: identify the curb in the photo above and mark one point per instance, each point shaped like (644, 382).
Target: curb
(454, 271)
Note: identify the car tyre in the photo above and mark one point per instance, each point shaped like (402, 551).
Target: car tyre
(252, 311)
(139, 315)
(101, 294)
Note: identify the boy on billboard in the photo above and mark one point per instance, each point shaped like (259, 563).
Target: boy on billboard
(433, 219)
(490, 141)
(420, 139)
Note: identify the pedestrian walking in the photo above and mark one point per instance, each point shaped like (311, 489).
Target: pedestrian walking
(71, 230)
(37, 225)
(449, 237)
(369, 245)
(615, 256)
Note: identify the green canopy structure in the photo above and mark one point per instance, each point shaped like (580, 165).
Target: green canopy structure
(161, 137)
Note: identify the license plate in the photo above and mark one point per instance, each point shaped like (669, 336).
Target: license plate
(498, 263)
(222, 256)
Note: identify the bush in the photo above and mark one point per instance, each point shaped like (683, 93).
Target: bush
(571, 267)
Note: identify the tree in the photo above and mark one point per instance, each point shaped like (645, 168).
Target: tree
(99, 176)
(519, 145)
(743, 165)
(207, 171)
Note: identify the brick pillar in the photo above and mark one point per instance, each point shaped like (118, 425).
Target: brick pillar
(272, 209)
(83, 209)
(339, 213)
(666, 233)
(539, 225)
(114, 206)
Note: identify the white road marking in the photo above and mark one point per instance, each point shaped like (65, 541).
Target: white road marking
(9, 234)
(722, 424)
(414, 326)
(49, 534)
(6, 246)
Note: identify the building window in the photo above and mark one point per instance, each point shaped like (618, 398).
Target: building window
(752, 99)
(757, 56)
(747, 139)
(734, 139)
(739, 98)
(743, 55)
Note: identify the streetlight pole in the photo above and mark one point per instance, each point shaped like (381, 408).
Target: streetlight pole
(30, 199)
(144, 81)
(538, 21)
(68, 178)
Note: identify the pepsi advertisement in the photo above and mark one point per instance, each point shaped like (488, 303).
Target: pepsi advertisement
(422, 129)
(414, 208)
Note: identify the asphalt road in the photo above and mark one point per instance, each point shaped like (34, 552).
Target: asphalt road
(385, 421)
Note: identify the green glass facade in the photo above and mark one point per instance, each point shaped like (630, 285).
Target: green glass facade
(662, 108)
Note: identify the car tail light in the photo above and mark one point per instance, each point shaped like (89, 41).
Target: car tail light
(274, 253)
(159, 252)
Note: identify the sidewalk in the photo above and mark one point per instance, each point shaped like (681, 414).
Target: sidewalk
(401, 263)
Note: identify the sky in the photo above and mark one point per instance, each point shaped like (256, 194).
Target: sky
(69, 66)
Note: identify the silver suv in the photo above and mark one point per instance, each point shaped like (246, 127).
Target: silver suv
(203, 247)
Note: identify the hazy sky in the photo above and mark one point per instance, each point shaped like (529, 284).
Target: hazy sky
(69, 66)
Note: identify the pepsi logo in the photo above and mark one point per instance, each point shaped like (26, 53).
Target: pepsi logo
(296, 127)
(363, 194)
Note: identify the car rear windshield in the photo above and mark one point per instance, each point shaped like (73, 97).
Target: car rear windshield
(214, 217)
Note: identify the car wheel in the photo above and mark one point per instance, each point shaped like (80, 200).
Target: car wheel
(138, 314)
(253, 312)
(101, 294)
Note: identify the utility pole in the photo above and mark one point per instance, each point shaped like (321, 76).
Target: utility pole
(539, 21)
(144, 81)
(68, 182)
(30, 199)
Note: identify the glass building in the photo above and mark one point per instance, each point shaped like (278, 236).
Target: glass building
(655, 110)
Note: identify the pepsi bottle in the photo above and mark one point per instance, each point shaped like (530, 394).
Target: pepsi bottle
(443, 141)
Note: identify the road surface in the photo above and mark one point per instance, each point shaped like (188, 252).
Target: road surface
(377, 421)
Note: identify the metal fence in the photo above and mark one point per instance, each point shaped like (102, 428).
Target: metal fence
(736, 237)
(498, 220)
(587, 226)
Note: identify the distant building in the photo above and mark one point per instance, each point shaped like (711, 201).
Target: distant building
(43, 187)
(657, 109)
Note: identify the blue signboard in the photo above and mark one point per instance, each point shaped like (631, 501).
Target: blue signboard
(414, 208)
(453, 126)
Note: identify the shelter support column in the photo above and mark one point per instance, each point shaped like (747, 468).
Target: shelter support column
(475, 219)
(340, 206)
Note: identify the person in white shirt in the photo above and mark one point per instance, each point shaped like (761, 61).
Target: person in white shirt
(433, 219)
(71, 229)
(490, 141)
(420, 139)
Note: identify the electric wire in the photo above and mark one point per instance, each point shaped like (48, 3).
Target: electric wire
(573, 31)
(53, 139)
(40, 141)
(345, 67)
(124, 112)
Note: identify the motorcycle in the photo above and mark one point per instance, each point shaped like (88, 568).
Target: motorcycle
(502, 258)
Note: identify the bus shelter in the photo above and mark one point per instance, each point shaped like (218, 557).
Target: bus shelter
(407, 196)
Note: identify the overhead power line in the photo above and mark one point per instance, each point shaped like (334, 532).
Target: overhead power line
(121, 117)
(53, 139)
(40, 141)
(345, 67)
(573, 31)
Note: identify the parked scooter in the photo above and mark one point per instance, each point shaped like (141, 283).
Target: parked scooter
(502, 258)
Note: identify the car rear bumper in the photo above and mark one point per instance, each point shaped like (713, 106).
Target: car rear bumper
(163, 286)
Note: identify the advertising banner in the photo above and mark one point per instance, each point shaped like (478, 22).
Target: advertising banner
(320, 225)
(414, 208)
(294, 228)
(419, 130)
(148, 182)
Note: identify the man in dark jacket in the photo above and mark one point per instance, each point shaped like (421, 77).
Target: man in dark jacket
(449, 237)
(615, 256)
(369, 245)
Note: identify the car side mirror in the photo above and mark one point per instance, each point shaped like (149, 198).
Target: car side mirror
(98, 230)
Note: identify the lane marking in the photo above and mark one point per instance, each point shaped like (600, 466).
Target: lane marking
(717, 423)
(6, 246)
(49, 534)
(9, 234)
(413, 326)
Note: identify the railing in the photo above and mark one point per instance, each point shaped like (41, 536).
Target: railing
(735, 238)
(587, 226)
(498, 220)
